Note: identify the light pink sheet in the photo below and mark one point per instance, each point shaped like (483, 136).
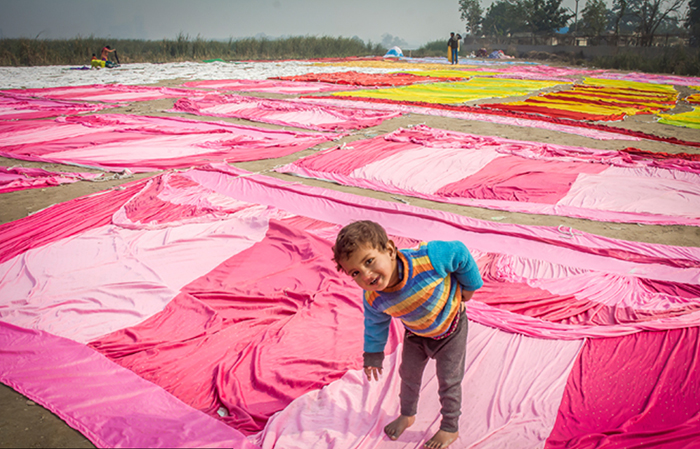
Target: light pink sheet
(516, 176)
(506, 368)
(141, 143)
(505, 399)
(269, 86)
(489, 118)
(20, 178)
(108, 93)
(281, 112)
(13, 107)
(110, 405)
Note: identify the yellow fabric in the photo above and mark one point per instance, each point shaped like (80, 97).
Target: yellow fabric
(686, 119)
(456, 92)
(576, 106)
(622, 84)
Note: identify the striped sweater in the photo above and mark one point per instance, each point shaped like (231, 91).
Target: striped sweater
(428, 296)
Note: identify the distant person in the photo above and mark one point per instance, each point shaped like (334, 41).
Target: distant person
(453, 44)
(105, 53)
(96, 63)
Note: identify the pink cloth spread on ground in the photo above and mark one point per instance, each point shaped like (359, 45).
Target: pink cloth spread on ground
(20, 178)
(270, 86)
(212, 295)
(13, 107)
(516, 176)
(282, 112)
(108, 93)
(141, 144)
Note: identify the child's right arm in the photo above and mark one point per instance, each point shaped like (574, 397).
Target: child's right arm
(376, 335)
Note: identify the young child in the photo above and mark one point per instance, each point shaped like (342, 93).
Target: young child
(425, 288)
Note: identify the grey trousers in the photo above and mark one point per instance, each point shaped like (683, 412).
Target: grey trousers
(450, 355)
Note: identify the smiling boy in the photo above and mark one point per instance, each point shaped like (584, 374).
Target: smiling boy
(425, 288)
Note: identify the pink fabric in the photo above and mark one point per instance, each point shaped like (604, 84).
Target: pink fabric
(111, 406)
(213, 351)
(108, 93)
(516, 176)
(13, 107)
(244, 327)
(640, 390)
(281, 112)
(270, 86)
(142, 143)
(510, 178)
(503, 400)
(20, 178)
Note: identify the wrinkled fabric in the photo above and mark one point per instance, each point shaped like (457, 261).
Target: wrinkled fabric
(263, 335)
(271, 86)
(516, 176)
(21, 178)
(141, 143)
(457, 92)
(282, 112)
(110, 405)
(108, 93)
(13, 107)
(597, 99)
(685, 119)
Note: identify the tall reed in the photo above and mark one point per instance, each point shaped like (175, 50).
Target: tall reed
(31, 52)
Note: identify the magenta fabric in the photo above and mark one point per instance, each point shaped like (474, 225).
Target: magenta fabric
(103, 401)
(270, 86)
(281, 112)
(511, 178)
(108, 93)
(238, 337)
(141, 143)
(516, 176)
(20, 178)
(13, 107)
(260, 332)
(640, 390)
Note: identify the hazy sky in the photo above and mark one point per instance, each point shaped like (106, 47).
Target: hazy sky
(414, 21)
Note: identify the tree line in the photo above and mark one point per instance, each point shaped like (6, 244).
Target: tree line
(644, 19)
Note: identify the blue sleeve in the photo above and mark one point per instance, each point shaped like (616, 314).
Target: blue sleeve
(455, 258)
(376, 329)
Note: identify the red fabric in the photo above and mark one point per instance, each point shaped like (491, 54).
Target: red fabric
(532, 108)
(367, 79)
(640, 390)
(512, 178)
(526, 116)
(266, 326)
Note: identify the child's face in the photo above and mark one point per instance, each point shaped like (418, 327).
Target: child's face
(373, 269)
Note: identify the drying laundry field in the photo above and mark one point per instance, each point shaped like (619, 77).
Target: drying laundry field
(165, 235)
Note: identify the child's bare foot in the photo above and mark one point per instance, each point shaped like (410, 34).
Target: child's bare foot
(395, 428)
(441, 439)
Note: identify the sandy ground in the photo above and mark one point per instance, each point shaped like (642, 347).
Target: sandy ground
(25, 424)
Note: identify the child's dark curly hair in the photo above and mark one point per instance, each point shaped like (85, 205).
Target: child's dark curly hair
(355, 235)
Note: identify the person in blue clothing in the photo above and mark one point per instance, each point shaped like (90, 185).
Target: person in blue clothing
(453, 43)
(425, 288)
